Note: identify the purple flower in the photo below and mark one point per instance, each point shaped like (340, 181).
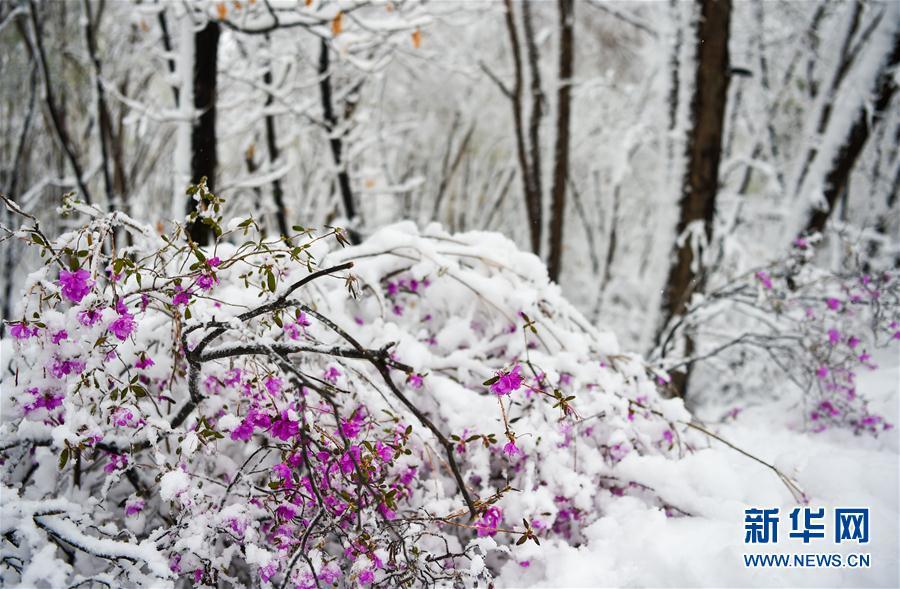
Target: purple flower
(853, 342)
(268, 571)
(489, 522)
(242, 432)
(351, 427)
(273, 385)
(332, 374)
(834, 336)
(75, 285)
(144, 362)
(510, 449)
(668, 437)
(89, 317)
(182, 296)
(366, 577)
(765, 279)
(284, 428)
(133, 507)
(116, 462)
(822, 372)
(63, 368)
(206, 281)
(123, 326)
(60, 336)
(507, 382)
(22, 331)
(213, 262)
(282, 471)
(833, 303)
(801, 243)
(385, 452)
(48, 400)
(392, 288)
(415, 380)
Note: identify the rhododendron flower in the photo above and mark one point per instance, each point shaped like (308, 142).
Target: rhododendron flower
(489, 522)
(182, 296)
(116, 462)
(385, 452)
(668, 437)
(510, 449)
(351, 427)
(853, 342)
(292, 330)
(834, 336)
(282, 471)
(75, 285)
(243, 432)
(206, 281)
(273, 385)
(765, 279)
(267, 572)
(822, 372)
(134, 506)
(283, 428)
(833, 303)
(392, 288)
(415, 380)
(48, 400)
(89, 317)
(507, 382)
(332, 374)
(366, 577)
(144, 362)
(59, 336)
(22, 331)
(123, 326)
(63, 368)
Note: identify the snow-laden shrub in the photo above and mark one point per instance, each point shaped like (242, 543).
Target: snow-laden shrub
(815, 329)
(294, 413)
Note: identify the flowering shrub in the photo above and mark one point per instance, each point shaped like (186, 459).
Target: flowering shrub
(293, 413)
(818, 328)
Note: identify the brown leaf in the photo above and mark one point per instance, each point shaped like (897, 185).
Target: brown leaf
(221, 10)
(417, 38)
(337, 25)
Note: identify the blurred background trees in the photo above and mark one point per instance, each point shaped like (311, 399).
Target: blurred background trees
(646, 151)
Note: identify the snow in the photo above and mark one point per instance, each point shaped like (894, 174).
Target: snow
(172, 484)
(635, 545)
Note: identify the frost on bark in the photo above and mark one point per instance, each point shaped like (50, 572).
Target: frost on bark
(866, 118)
(704, 147)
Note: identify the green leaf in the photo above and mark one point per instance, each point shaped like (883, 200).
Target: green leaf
(270, 280)
(491, 381)
(63, 458)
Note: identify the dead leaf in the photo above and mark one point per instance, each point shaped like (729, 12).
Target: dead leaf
(337, 25)
(221, 10)
(417, 38)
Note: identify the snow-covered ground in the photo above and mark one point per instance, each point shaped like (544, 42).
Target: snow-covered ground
(636, 545)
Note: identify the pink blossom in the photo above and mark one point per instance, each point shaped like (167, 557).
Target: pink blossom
(284, 428)
(392, 288)
(22, 331)
(853, 342)
(507, 382)
(243, 432)
(834, 336)
(75, 285)
(206, 281)
(133, 506)
(765, 279)
(123, 326)
(489, 522)
(182, 296)
(668, 437)
(385, 452)
(332, 374)
(116, 462)
(273, 385)
(415, 380)
(510, 449)
(89, 317)
(213, 261)
(366, 577)
(63, 368)
(144, 362)
(822, 372)
(282, 471)
(59, 336)
(267, 572)
(833, 303)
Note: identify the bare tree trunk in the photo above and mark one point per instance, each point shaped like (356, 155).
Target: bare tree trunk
(103, 120)
(272, 145)
(203, 138)
(561, 151)
(533, 204)
(537, 103)
(56, 113)
(704, 148)
(838, 174)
